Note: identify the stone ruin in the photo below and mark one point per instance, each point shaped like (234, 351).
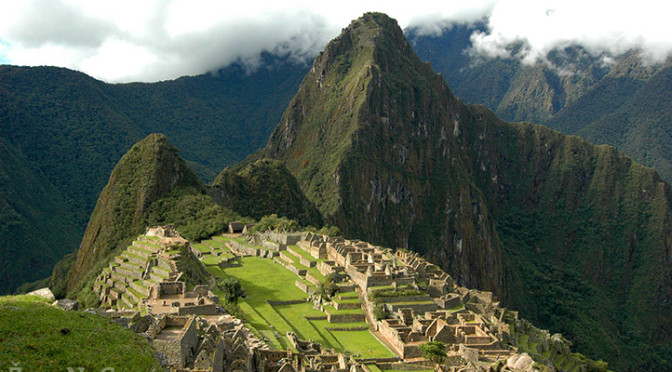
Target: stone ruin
(419, 303)
(468, 322)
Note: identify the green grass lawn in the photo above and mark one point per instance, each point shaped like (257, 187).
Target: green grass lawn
(373, 368)
(265, 280)
(303, 253)
(363, 343)
(209, 259)
(40, 337)
(201, 247)
(347, 300)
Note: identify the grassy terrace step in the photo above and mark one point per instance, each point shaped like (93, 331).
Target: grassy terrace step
(332, 310)
(141, 252)
(215, 244)
(131, 266)
(135, 295)
(295, 261)
(165, 263)
(301, 252)
(220, 238)
(315, 273)
(140, 287)
(157, 278)
(126, 302)
(203, 248)
(121, 277)
(348, 295)
(120, 285)
(130, 273)
(134, 258)
(147, 245)
(116, 293)
(348, 300)
(211, 260)
(162, 271)
(149, 283)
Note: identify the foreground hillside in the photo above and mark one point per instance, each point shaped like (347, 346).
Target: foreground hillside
(570, 233)
(39, 337)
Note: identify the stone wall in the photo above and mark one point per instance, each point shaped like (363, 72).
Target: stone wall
(244, 249)
(188, 342)
(170, 288)
(346, 318)
(304, 286)
(206, 309)
(273, 246)
(419, 307)
(347, 305)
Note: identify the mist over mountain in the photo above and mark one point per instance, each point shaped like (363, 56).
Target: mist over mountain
(379, 145)
(619, 100)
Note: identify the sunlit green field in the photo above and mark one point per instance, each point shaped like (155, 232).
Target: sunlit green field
(264, 279)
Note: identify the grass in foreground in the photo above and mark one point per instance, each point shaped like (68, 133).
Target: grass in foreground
(40, 337)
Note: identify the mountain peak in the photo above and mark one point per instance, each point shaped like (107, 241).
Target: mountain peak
(152, 168)
(371, 38)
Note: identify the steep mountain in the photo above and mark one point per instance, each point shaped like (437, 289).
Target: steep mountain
(35, 224)
(150, 170)
(153, 185)
(640, 126)
(264, 187)
(72, 130)
(367, 137)
(621, 103)
(567, 232)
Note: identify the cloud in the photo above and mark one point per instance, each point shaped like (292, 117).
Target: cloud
(597, 25)
(127, 40)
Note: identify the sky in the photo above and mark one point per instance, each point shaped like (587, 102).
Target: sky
(153, 40)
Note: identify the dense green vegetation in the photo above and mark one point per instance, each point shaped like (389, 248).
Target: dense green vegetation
(36, 228)
(38, 337)
(149, 171)
(261, 188)
(569, 233)
(69, 130)
(623, 104)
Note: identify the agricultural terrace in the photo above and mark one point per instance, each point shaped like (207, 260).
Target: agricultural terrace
(266, 280)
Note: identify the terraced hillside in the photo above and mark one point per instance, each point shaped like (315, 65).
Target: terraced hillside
(129, 277)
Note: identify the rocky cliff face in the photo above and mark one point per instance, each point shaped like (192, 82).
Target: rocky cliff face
(371, 137)
(570, 233)
(151, 169)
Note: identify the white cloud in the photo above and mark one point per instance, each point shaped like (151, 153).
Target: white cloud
(149, 40)
(598, 25)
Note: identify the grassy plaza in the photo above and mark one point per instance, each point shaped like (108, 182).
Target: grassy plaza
(265, 280)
